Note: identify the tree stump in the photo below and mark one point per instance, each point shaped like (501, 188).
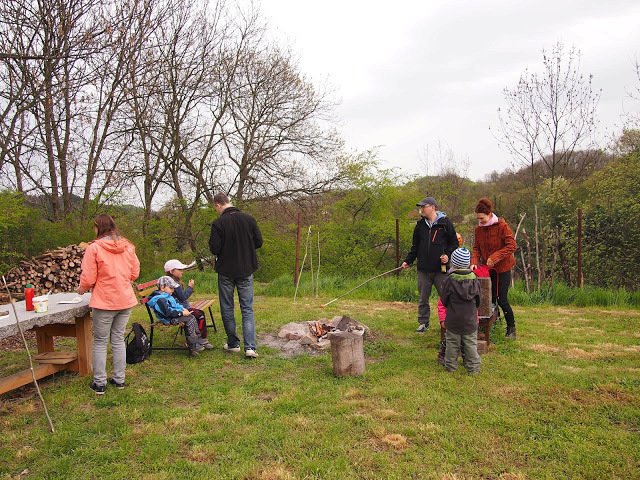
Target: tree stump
(347, 353)
(485, 297)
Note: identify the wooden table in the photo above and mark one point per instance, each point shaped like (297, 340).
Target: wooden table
(61, 320)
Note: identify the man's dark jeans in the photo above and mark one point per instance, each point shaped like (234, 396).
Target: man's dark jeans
(426, 280)
(226, 286)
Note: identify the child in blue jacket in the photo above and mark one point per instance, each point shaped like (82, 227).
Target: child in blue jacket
(170, 312)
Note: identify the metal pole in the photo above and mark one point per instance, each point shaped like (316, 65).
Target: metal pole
(397, 246)
(297, 262)
(580, 281)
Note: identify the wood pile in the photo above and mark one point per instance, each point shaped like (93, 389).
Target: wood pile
(54, 271)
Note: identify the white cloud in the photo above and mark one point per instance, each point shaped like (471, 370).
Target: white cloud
(410, 73)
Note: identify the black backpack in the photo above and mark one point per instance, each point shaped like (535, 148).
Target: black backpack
(138, 348)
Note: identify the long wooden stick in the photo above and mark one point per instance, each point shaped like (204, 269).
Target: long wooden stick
(26, 347)
(295, 294)
(355, 288)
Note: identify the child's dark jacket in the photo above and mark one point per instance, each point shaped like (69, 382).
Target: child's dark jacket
(461, 296)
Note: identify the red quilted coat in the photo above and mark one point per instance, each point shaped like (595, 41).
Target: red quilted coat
(494, 242)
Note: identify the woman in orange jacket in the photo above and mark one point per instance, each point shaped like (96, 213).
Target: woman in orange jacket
(493, 246)
(109, 266)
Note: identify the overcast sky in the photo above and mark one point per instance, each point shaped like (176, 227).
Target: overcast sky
(412, 74)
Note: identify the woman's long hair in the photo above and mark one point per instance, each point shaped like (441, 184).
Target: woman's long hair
(106, 225)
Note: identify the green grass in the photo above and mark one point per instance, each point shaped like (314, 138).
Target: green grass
(563, 401)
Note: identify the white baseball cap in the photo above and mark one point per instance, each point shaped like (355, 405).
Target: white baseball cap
(174, 264)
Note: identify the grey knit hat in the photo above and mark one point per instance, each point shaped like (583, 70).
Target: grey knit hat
(460, 258)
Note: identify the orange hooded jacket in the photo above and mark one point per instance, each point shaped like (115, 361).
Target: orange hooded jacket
(108, 268)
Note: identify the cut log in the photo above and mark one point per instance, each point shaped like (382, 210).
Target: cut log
(347, 353)
(485, 297)
(56, 270)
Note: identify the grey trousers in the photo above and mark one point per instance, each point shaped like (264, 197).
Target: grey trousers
(426, 281)
(109, 324)
(469, 344)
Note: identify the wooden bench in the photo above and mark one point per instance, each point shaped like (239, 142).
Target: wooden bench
(143, 290)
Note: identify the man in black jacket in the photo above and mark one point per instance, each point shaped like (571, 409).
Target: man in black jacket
(235, 236)
(434, 238)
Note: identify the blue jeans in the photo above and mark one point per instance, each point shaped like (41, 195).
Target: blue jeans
(226, 286)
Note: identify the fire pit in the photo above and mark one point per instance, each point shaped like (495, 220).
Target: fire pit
(312, 336)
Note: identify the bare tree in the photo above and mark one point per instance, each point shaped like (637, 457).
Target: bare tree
(63, 81)
(549, 122)
(550, 117)
(277, 134)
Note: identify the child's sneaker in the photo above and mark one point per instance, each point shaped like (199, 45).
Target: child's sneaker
(205, 343)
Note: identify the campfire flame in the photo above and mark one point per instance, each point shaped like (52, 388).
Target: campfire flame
(320, 330)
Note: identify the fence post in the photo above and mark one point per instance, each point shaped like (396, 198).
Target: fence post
(297, 262)
(580, 279)
(397, 246)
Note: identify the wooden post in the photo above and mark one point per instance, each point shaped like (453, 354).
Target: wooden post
(397, 246)
(580, 279)
(84, 344)
(347, 353)
(297, 262)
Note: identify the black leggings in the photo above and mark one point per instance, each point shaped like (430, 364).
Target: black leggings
(500, 287)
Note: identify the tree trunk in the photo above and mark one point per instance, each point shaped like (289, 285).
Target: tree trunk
(347, 353)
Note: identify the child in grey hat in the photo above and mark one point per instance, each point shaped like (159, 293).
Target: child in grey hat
(170, 312)
(461, 297)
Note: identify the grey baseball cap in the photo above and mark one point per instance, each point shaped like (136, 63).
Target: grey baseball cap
(167, 281)
(426, 201)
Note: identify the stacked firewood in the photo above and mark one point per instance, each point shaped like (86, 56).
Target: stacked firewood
(54, 271)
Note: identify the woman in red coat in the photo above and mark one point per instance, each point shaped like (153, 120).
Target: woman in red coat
(493, 246)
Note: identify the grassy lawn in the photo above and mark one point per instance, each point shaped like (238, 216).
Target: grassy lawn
(563, 401)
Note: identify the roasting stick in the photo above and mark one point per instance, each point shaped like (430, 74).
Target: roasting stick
(355, 288)
(24, 340)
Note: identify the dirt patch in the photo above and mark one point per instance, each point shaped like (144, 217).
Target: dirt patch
(273, 472)
(542, 348)
(587, 352)
(395, 440)
(571, 369)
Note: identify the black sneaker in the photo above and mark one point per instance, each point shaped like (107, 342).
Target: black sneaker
(511, 333)
(119, 386)
(99, 389)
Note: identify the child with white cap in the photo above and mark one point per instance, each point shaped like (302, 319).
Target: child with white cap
(175, 269)
(461, 297)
